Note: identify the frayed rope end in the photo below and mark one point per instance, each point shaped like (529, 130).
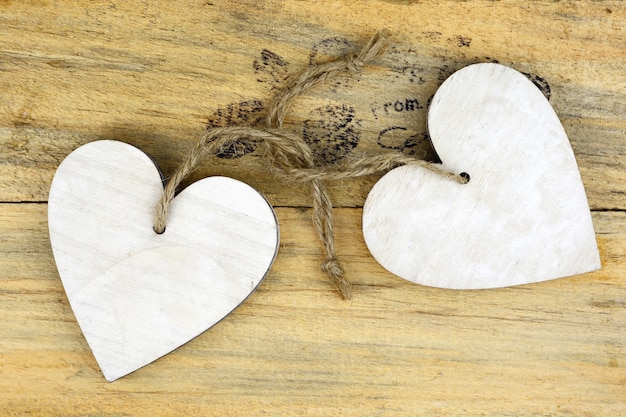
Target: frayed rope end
(333, 269)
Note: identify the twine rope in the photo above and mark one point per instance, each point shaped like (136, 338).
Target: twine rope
(292, 158)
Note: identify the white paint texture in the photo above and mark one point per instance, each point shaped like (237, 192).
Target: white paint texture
(522, 218)
(138, 295)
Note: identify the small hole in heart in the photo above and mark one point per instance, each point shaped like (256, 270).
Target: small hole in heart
(465, 176)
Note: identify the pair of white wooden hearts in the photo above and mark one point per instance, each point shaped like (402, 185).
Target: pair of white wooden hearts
(137, 295)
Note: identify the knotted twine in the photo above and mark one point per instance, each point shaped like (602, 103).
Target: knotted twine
(292, 158)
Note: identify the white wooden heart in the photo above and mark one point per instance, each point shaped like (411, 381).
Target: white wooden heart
(523, 217)
(138, 295)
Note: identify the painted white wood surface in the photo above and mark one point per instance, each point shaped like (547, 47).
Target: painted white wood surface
(522, 218)
(138, 295)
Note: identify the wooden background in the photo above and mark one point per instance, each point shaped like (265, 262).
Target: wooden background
(156, 73)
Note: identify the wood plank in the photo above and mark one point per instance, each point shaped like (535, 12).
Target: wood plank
(73, 72)
(552, 348)
(156, 74)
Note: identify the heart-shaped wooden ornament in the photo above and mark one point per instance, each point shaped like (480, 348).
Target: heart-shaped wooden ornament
(523, 217)
(138, 295)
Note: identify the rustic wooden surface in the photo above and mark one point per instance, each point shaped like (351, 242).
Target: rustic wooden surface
(154, 74)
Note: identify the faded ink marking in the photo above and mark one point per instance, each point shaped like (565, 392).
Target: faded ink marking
(244, 113)
(432, 35)
(328, 47)
(394, 138)
(409, 104)
(271, 68)
(404, 67)
(444, 72)
(463, 41)
(331, 132)
(397, 106)
(541, 84)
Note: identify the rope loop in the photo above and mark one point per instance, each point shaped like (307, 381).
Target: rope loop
(292, 158)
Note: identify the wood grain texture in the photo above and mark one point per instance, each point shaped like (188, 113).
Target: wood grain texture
(552, 348)
(523, 216)
(154, 74)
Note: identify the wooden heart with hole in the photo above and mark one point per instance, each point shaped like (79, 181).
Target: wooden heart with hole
(138, 295)
(523, 217)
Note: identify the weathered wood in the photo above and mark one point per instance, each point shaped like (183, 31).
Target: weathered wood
(136, 294)
(154, 74)
(523, 216)
(551, 348)
(73, 72)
